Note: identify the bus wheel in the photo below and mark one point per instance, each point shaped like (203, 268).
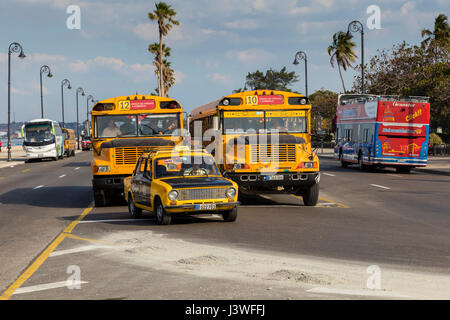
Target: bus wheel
(344, 164)
(99, 198)
(161, 215)
(311, 196)
(132, 209)
(73, 153)
(230, 215)
(403, 169)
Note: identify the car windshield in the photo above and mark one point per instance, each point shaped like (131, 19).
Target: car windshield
(185, 166)
(112, 126)
(38, 132)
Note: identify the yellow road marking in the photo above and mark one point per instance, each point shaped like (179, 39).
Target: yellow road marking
(42, 257)
(1, 178)
(26, 170)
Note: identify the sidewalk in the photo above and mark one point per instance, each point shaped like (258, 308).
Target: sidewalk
(17, 156)
(435, 165)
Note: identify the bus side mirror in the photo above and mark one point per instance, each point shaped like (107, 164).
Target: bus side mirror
(216, 123)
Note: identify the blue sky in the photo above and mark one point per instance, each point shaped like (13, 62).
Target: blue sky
(214, 47)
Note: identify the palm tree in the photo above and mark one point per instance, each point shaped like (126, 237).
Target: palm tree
(154, 49)
(165, 16)
(341, 52)
(441, 32)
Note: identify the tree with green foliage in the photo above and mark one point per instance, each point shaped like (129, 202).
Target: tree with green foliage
(271, 80)
(168, 73)
(164, 15)
(323, 107)
(341, 52)
(440, 34)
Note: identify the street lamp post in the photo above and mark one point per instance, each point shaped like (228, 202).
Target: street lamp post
(79, 90)
(17, 48)
(44, 69)
(65, 82)
(301, 55)
(357, 26)
(89, 98)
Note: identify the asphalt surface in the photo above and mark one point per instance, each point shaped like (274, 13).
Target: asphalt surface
(375, 217)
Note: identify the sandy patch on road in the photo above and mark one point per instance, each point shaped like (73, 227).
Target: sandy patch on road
(293, 272)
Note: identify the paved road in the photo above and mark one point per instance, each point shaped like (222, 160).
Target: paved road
(277, 249)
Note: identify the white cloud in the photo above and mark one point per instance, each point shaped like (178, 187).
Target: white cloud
(78, 66)
(146, 31)
(179, 76)
(249, 55)
(219, 78)
(109, 62)
(20, 92)
(243, 24)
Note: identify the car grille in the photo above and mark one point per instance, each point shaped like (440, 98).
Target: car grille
(129, 155)
(201, 194)
(272, 153)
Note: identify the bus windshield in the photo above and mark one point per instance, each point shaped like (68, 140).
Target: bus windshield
(38, 133)
(112, 126)
(294, 121)
(185, 166)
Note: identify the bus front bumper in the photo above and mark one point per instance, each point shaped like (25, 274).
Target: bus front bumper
(283, 182)
(109, 182)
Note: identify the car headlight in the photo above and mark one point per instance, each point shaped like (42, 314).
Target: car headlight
(231, 193)
(103, 168)
(173, 195)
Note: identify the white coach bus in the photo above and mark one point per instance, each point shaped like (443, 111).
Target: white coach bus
(43, 138)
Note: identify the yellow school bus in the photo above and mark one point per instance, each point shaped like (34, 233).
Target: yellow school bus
(122, 129)
(70, 143)
(262, 141)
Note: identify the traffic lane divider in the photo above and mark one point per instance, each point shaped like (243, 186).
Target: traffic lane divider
(43, 256)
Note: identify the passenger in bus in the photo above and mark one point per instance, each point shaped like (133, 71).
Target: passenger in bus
(111, 130)
(170, 127)
(127, 128)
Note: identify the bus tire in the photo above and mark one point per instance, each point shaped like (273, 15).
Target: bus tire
(311, 196)
(99, 198)
(403, 170)
(162, 217)
(134, 211)
(73, 153)
(230, 215)
(344, 164)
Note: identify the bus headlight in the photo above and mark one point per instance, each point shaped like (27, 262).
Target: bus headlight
(231, 193)
(103, 169)
(308, 164)
(173, 195)
(302, 101)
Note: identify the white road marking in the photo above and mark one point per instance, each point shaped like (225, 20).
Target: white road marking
(76, 168)
(361, 292)
(393, 175)
(113, 220)
(47, 286)
(378, 186)
(62, 176)
(38, 187)
(329, 174)
(74, 250)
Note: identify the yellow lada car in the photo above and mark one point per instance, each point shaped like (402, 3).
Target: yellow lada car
(179, 182)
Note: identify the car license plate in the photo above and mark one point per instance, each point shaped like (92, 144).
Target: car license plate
(206, 206)
(275, 177)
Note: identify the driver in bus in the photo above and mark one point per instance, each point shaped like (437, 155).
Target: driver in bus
(111, 130)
